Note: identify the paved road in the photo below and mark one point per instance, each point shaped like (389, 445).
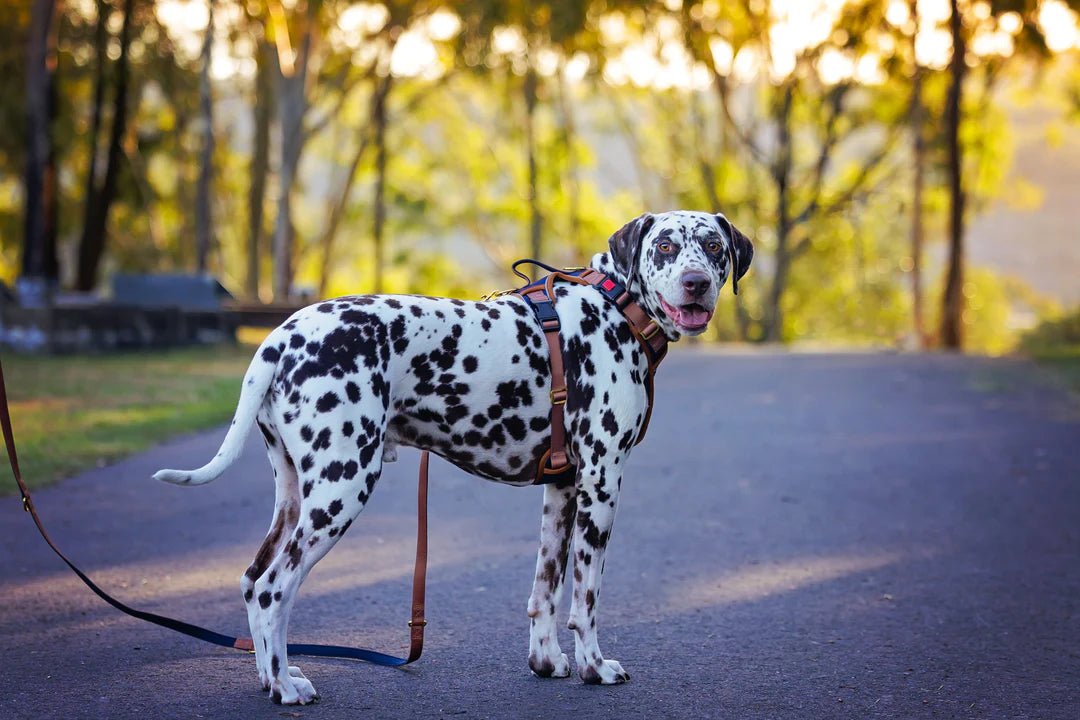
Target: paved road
(801, 536)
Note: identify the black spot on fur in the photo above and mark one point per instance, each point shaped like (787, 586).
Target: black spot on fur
(608, 421)
(267, 435)
(327, 402)
(319, 519)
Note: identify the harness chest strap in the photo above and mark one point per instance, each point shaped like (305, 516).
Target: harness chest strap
(541, 296)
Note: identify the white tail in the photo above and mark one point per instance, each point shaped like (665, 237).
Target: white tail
(256, 383)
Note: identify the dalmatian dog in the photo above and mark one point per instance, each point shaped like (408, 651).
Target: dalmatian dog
(342, 383)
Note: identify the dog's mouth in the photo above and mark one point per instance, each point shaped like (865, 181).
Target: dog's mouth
(688, 318)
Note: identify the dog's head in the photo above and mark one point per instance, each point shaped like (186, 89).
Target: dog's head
(676, 263)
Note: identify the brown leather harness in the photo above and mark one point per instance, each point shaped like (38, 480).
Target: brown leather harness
(554, 466)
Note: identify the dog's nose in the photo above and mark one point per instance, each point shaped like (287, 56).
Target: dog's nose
(695, 283)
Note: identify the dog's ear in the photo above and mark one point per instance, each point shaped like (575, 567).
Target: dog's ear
(740, 250)
(625, 244)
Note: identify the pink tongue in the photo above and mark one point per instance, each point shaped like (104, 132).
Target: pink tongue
(693, 316)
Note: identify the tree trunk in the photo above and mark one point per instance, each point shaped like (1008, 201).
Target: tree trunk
(40, 269)
(262, 106)
(203, 219)
(292, 105)
(532, 192)
(337, 213)
(93, 178)
(952, 308)
(379, 209)
(919, 158)
(781, 172)
(573, 174)
(92, 244)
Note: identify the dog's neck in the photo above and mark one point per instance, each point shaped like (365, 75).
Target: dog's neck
(604, 263)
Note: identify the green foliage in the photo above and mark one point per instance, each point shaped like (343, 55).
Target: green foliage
(1055, 343)
(457, 178)
(849, 286)
(1060, 331)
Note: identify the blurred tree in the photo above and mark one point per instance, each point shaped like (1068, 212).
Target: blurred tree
(917, 121)
(810, 117)
(1028, 43)
(953, 299)
(292, 105)
(381, 43)
(203, 215)
(100, 194)
(39, 262)
(262, 105)
(752, 109)
(521, 32)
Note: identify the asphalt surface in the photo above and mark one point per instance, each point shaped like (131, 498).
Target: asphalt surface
(800, 536)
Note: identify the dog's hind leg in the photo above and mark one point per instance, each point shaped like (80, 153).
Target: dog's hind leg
(286, 514)
(546, 658)
(336, 480)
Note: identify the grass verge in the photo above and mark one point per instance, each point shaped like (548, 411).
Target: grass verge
(72, 413)
(1063, 361)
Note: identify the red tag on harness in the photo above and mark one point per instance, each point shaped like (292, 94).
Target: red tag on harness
(608, 284)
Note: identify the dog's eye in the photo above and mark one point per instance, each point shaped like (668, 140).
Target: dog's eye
(714, 247)
(665, 247)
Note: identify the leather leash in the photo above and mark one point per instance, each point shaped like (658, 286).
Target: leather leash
(553, 466)
(416, 624)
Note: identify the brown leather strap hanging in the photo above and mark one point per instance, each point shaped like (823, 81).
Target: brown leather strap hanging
(419, 586)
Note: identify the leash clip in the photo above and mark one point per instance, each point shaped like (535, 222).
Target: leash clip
(26, 503)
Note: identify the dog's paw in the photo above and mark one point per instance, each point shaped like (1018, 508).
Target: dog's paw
(294, 691)
(546, 667)
(265, 679)
(608, 672)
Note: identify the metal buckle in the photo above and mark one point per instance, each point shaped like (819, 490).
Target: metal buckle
(495, 294)
(26, 503)
(561, 400)
(422, 623)
(649, 334)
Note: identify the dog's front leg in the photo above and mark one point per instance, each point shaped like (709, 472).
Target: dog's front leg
(598, 493)
(546, 658)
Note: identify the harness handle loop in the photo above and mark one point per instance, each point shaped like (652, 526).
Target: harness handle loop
(530, 261)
